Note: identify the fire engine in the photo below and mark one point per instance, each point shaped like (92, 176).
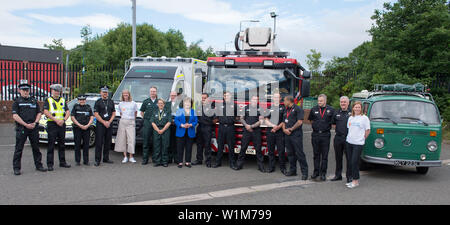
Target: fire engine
(258, 66)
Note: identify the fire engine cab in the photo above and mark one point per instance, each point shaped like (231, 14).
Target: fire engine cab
(259, 68)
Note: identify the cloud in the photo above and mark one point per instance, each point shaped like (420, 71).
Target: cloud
(99, 20)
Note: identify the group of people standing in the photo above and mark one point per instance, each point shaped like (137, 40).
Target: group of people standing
(164, 122)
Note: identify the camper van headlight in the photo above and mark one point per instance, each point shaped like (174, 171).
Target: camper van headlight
(379, 143)
(432, 146)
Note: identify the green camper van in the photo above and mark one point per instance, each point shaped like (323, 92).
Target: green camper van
(405, 127)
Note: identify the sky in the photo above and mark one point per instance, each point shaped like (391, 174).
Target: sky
(332, 27)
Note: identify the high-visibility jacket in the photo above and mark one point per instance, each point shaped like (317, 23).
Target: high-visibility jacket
(56, 108)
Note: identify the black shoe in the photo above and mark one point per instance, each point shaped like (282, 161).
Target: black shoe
(217, 165)
(86, 164)
(323, 178)
(180, 165)
(314, 176)
(208, 165)
(108, 161)
(304, 177)
(156, 164)
(197, 163)
(165, 165)
(145, 162)
(291, 173)
(49, 168)
(271, 170)
(65, 165)
(78, 163)
(261, 169)
(336, 178)
(17, 172)
(97, 164)
(188, 165)
(236, 167)
(42, 169)
(283, 171)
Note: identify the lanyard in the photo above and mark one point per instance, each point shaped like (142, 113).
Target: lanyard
(289, 112)
(105, 104)
(160, 114)
(322, 114)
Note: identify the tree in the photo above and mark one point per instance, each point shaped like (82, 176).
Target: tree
(313, 60)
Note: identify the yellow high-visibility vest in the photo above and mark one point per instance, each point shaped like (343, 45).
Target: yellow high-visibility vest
(57, 112)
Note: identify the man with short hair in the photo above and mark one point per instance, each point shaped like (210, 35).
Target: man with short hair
(251, 120)
(226, 114)
(26, 113)
(205, 113)
(321, 117)
(57, 113)
(105, 112)
(340, 119)
(292, 128)
(148, 106)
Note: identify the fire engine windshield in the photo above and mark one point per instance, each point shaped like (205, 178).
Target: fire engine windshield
(243, 81)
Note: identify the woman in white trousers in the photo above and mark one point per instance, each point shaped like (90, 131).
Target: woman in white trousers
(126, 133)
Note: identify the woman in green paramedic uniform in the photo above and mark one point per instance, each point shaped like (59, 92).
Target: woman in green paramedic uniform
(161, 120)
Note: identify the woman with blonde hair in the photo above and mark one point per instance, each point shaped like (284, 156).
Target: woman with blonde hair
(358, 130)
(185, 120)
(126, 133)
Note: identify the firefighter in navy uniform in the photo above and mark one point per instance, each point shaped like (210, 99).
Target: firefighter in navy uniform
(321, 117)
(340, 119)
(205, 113)
(275, 137)
(251, 120)
(292, 128)
(104, 112)
(82, 118)
(26, 113)
(226, 114)
(57, 112)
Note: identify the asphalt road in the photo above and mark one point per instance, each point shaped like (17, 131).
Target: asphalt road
(133, 183)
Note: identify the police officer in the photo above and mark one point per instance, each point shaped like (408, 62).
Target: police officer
(340, 119)
(161, 120)
(205, 113)
(251, 120)
(321, 117)
(148, 106)
(292, 128)
(226, 114)
(57, 112)
(104, 112)
(273, 118)
(26, 113)
(82, 118)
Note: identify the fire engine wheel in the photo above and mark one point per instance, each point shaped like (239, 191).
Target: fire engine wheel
(421, 170)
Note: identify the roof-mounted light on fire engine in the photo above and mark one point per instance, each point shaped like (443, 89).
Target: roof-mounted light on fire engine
(229, 62)
(268, 62)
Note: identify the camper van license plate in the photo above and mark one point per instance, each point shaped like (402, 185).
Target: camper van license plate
(405, 163)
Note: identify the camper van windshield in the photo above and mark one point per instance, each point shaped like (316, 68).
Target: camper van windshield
(405, 112)
(140, 88)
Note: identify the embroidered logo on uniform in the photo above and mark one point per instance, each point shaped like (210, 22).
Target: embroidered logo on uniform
(316, 112)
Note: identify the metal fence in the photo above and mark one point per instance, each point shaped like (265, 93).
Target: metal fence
(41, 75)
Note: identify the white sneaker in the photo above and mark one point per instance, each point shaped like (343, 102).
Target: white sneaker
(125, 160)
(348, 184)
(353, 185)
(132, 160)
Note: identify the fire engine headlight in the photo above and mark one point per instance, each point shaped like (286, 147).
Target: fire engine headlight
(379, 143)
(432, 146)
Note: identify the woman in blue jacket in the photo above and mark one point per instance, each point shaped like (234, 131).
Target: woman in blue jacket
(185, 121)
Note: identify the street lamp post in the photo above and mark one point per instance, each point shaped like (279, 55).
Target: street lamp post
(134, 27)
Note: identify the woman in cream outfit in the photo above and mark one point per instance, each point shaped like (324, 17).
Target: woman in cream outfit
(126, 133)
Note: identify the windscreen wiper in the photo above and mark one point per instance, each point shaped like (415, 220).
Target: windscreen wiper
(385, 118)
(417, 119)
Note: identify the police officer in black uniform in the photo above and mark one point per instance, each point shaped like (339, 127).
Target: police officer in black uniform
(57, 113)
(275, 137)
(226, 113)
(292, 128)
(340, 119)
(104, 112)
(321, 117)
(26, 113)
(205, 113)
(251, 120)
(82, 118)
